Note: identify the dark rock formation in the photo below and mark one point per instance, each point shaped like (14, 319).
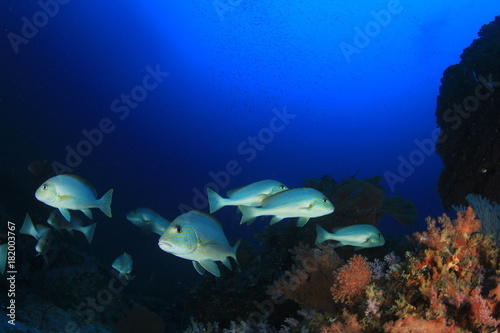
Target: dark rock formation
(468, 113)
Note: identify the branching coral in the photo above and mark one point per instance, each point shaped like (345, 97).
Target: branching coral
(351, 280)
(309, 281)
(412, 324)
(449, 272)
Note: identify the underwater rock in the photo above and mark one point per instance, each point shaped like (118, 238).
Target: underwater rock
(468, 114)
(139, 319)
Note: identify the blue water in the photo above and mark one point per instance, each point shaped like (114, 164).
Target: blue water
(284, 90)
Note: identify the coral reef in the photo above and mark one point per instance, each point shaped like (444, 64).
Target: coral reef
(360, 201)
(309, 281)
(467, 113)
(351, 280)
(489, 214)
(450, 282)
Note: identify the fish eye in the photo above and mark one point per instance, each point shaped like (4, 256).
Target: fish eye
(178, 228)
(45, 186)
(282, 187)
(325, 200)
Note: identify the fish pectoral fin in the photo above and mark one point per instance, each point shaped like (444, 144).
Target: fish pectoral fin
(227, 263)
(87, 213)
(249, 222)
(302, 221)
(65, 197)
(275, 219)
(210, 266)
(65, 213)
(198, 268)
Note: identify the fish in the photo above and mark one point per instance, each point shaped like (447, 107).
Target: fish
(248, 195)
(360, 235)
(123, 265)
(43, 245)
(198, 236)
(303, 203)
(40, 232)
(58, 222)
(148, 220)
(67, 191)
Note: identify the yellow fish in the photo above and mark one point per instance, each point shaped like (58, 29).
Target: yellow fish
(67, 191)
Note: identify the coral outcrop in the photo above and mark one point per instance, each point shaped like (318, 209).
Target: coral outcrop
(468, 114)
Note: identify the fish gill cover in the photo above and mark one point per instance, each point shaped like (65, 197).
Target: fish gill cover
(161, 101)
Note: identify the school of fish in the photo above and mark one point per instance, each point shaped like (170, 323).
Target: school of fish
(196, 235)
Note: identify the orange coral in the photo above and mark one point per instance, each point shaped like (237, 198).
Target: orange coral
(412, 324)
(308, 282)
(448, 274)
(351, 280)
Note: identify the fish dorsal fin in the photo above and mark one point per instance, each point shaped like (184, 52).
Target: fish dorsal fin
(234, 191)
(272, 196)
(207, 216)
(85, 182)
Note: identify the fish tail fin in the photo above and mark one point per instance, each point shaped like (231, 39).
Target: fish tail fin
(321, 234)
(28, 227)
(248, 213)
(3, 257)
(215, 201)
(88, 232)
(105, 203)
(158, 229)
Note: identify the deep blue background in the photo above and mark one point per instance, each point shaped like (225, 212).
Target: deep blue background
(228, 70)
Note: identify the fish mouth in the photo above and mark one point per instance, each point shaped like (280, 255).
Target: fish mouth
(166, 247)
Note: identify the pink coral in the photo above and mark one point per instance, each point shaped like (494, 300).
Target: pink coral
(480, 311)
(351, 280)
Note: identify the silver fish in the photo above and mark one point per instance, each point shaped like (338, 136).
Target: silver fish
(40, 232)
(148, 220)
(248, 195)
(198, 236)
(123, 265)
(72, 192)
(361, 236)
(58, 222)
(303, 203)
